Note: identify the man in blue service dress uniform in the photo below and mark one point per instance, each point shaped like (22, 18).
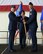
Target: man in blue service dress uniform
(32, 22)
(12, 28)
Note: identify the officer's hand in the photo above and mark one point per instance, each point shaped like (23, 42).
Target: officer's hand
(24, 22)
(21, 2)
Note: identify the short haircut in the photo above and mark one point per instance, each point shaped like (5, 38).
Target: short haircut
(12, 6)
(30, 3)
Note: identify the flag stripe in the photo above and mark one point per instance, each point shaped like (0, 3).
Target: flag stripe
(25, 7)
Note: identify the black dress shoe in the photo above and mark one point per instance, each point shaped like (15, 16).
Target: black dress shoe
(21, 47)
(35, 50)
(12, 50)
